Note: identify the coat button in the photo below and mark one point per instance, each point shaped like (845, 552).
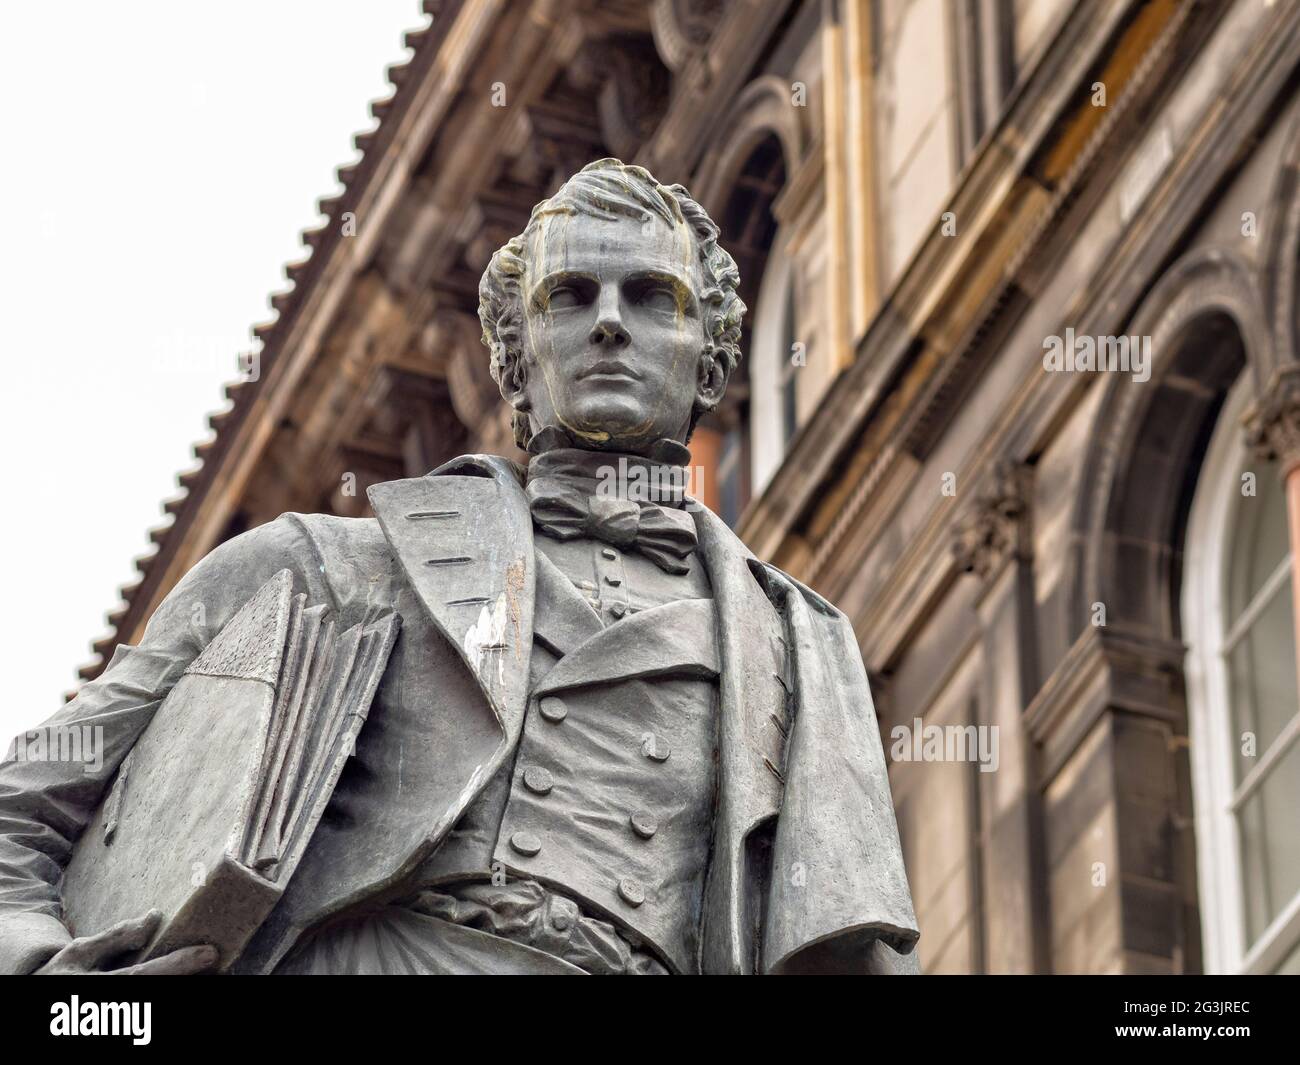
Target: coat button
(655, 749)
(618, 610)
(525, 843)
(609, 553)
(644, 825)
(553, 709)
(563, 913)
(538, 780)
(631, 891)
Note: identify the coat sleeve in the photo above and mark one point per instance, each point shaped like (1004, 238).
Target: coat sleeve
(839, 900)
(45, 804)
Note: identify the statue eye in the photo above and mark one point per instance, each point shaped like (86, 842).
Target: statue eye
(654, 294)
(568, 294)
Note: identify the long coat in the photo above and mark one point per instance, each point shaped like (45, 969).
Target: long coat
(806, 870)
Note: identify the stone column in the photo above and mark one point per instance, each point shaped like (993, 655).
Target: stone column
(993, 542)
(1110, 737)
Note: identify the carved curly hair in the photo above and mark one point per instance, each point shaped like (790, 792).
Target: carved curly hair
(609, 189)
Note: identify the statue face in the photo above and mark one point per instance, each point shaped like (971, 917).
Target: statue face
(614, 331)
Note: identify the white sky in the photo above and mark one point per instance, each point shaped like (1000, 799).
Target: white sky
(158, 161)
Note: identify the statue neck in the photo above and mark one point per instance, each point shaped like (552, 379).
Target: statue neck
(614, 474)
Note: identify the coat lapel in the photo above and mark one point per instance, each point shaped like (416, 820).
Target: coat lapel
(464, 539)
(563, 620)
(660, 642)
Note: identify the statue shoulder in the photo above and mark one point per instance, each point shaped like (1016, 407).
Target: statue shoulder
(294, 539)
(329, 533)
(316, 548)
(772, 576)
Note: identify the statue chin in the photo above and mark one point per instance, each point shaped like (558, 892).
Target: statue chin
(611, 427)
(608, 417)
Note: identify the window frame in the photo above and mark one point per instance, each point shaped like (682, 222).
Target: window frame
(1216, 794)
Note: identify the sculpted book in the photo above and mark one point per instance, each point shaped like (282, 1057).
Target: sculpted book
(214, 805)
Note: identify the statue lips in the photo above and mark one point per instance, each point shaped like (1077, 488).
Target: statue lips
(611, 370)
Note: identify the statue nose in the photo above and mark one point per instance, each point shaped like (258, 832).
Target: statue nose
(609, 330)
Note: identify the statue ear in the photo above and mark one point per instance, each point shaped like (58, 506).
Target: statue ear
(714, 375)
(514, 380)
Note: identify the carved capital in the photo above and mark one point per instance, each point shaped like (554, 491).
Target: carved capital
(996, 528)
(1273, 421)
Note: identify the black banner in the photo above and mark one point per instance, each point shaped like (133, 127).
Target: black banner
(206, 1014)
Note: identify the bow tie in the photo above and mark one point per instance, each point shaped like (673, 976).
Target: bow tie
(570, 494)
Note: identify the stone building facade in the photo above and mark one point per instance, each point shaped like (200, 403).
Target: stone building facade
(1087, 572)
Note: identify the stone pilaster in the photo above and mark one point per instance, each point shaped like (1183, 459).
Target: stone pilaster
(993, 542)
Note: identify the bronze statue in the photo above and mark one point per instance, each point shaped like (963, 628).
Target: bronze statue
(608, 739)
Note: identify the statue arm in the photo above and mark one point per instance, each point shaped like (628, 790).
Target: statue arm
(45, 804)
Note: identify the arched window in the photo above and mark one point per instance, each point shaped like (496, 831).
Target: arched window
(1244, 711)
(748, 428)
(773, 376)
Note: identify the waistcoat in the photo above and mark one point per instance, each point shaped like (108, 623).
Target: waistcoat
(609, 798)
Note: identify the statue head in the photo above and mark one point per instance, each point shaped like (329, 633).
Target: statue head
(613, 317)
